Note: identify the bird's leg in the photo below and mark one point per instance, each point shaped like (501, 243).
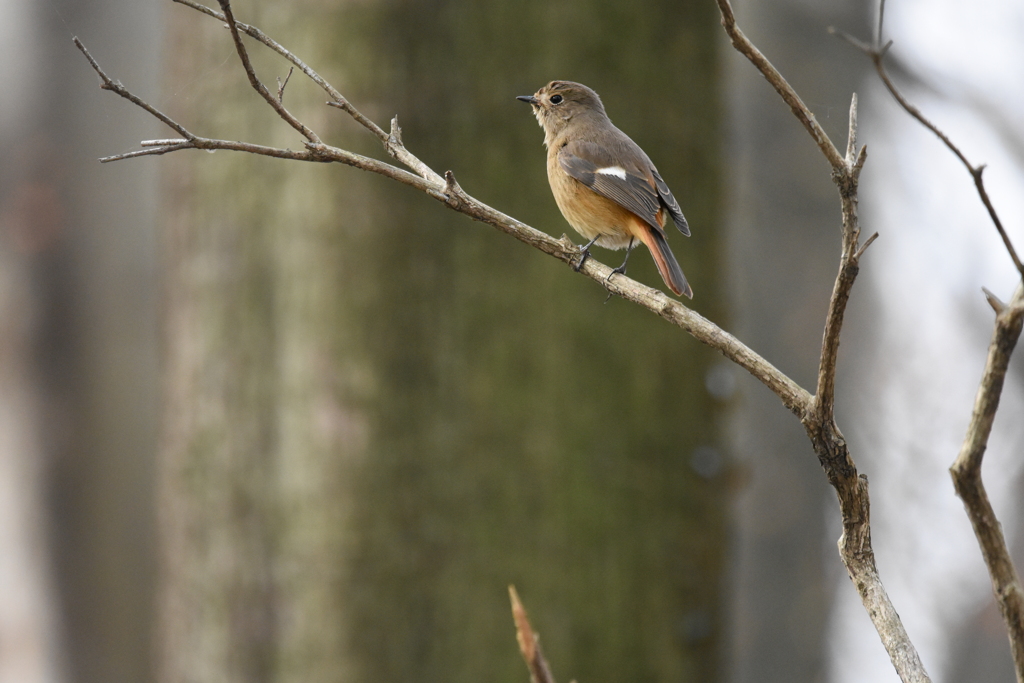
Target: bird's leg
(621, 270)
(585, 250)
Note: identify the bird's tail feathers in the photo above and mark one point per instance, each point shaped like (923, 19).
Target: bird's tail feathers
(669, 268)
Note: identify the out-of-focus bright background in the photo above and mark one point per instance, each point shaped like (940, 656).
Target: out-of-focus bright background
(265, 421)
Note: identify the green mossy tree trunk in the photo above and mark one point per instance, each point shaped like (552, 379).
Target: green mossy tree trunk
(379, 414)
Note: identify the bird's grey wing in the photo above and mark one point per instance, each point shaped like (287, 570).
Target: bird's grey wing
(670, 203)
(596, 167)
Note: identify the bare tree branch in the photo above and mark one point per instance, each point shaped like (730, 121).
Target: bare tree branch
(877, 55)
(255, 82)
(828, 442)
(785, 90)
(529, 642)
(116, 87)
(966, 470)
(391, 143)
(282, 85)
(966, 473)
(794, 397)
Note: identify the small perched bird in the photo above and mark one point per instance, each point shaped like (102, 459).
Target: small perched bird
(606, 187)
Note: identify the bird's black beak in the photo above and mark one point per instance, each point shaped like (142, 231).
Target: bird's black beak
(528, 98)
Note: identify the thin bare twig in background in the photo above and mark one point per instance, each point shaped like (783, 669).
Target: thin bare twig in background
(877, 54)
(966, 470)
(966, 473)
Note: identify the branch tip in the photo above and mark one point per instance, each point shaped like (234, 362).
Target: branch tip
(856, 42)
(864, 247)
(281, 86)
(529, 641)
(997, 305)
(851, 140)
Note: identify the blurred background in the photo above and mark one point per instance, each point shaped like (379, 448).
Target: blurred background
(266, 421)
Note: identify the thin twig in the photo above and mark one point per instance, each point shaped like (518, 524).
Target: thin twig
(851, 136)
(867, 243)
(398, 152)
(848, 184)
(255, 82)
(281, 86)
(785, 90)
(877, 56)
(529, 642)
(116, 87)
(881, 22)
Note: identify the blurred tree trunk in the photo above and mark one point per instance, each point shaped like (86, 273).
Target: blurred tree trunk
(79, 261)
(378, 414)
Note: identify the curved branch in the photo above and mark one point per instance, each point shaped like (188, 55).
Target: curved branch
(877, 55)
(275, 104)
(785, 90)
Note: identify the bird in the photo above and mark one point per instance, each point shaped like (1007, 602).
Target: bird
(606, 187)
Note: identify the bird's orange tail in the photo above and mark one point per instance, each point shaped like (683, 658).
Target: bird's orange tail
(669, 268)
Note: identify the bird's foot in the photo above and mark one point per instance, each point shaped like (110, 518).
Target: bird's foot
(621, 270)
(584, 254)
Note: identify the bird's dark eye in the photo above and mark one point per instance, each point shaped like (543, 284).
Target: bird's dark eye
(556, 99)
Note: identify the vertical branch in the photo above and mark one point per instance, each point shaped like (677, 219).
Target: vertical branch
(847, 180)
(828, 442)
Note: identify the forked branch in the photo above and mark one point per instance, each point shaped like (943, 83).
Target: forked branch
(828, 442)
(966, 473)
(876, 52)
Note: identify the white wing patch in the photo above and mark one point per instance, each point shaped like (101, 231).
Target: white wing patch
(616, 171)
